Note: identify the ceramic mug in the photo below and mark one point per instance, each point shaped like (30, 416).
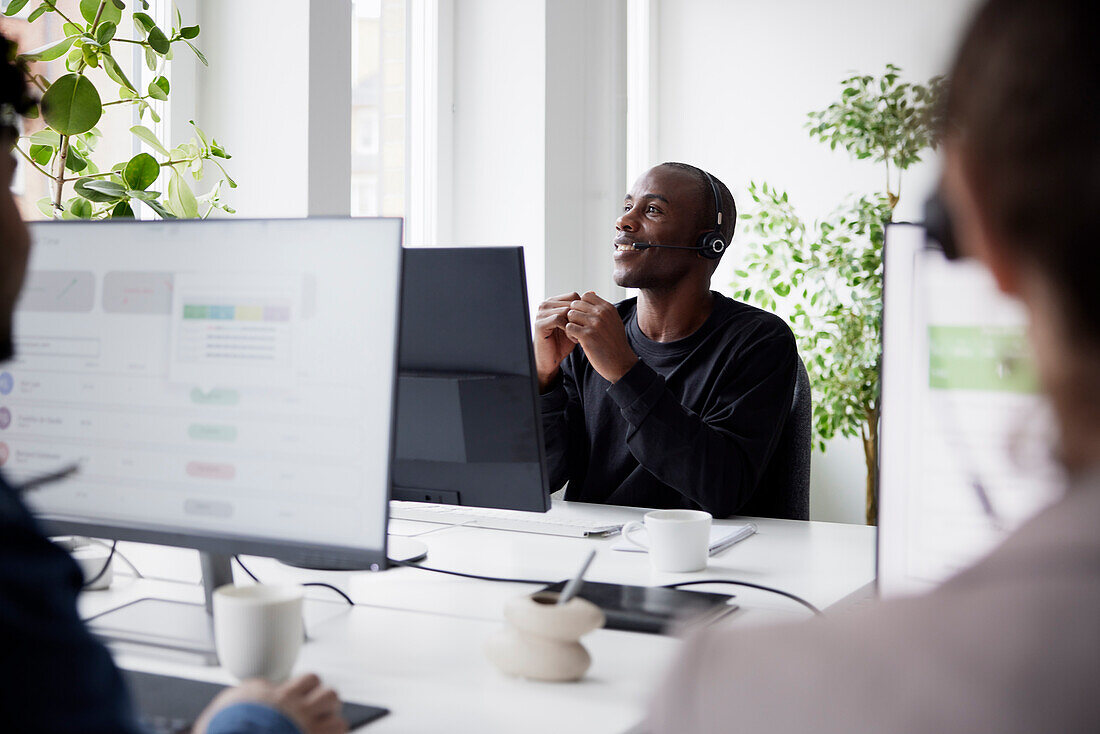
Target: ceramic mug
(679, 540)
(258, 629)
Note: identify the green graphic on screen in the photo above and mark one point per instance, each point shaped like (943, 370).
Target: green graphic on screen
(988, 358)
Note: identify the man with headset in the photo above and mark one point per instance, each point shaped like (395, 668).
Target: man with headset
(676, 398)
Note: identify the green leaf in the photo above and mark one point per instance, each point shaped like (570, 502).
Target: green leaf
(41, 154)
(144, 195)
(141, 171)
(91, 58)
(122, 210)
(150, 59)
(158, 88)
(114, 71)
(103, 192)
(147, 135)
(50, 51)
(14, 7)
(72, 29)
(159, 41)
(79, 208)
(160, 209)
(45, 205)
(75, 160)
(198, 53)
(145, 22)
(111, 12)
(189, 32)
(181, 199)
(105, 32)
(46, 137)
(39, 12)
(72, 105)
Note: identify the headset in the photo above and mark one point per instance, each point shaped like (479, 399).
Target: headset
(710, 244)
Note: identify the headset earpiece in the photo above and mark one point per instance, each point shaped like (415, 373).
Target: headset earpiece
(710, 244)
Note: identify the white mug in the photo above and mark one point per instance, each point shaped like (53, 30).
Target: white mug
(258, 629)
(679, 540)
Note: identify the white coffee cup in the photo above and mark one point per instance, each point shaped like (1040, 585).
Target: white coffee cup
(258, 629)
(679, 540)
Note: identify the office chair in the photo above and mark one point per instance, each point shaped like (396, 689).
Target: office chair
(784, 490)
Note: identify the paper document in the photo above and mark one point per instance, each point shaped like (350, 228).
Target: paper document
(721, 537)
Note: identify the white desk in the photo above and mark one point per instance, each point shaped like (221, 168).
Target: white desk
(415, 643)
(431, 672)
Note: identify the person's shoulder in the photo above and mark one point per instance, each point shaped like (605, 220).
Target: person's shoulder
(627, 307)
(751, 321)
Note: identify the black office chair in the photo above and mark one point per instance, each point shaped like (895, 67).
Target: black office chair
(785, 487)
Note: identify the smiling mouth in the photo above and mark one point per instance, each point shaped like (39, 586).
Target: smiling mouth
(625, 247)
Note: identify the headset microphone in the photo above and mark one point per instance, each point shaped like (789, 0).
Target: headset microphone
(647, 245)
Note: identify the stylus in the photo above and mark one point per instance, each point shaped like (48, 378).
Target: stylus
(574, 584)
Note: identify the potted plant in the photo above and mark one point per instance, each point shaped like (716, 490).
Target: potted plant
(826, 278)
(72, 104)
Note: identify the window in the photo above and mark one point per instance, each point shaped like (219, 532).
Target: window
(378, 108)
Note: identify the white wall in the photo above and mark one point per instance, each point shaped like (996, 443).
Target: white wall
(280, 103)
(499, 124)
(735, 81)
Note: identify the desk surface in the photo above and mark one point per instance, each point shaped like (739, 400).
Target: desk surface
(414, 643)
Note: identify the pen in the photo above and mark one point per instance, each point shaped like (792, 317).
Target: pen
(575, 583)
(55, 476)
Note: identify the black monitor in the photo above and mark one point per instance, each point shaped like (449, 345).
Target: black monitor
(469, 431)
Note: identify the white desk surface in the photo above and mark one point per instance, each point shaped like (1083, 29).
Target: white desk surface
(414, 645)
(819, 561)
(430, 670)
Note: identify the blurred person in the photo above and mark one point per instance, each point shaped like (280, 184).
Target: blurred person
(679, 397)
(1011, 644)
(55, 677)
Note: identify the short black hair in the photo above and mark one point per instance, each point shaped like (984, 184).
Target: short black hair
(1022, 102)
(14, 99)
(729, 206)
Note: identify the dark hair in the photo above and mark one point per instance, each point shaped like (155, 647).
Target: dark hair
(14, 100)
(1024, 105)
(729, 207)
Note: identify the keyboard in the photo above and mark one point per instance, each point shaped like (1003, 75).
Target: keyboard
(482, 517)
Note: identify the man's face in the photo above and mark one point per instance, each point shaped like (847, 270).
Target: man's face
(665, 207)
(14, 238)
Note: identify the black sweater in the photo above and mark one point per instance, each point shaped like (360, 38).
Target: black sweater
(693, 424)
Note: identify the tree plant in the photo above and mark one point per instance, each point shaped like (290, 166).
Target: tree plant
(827, 277)
(71, 106)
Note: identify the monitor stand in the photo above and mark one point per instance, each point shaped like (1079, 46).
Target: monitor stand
(187, 628)
(173, 626)
(399, 551)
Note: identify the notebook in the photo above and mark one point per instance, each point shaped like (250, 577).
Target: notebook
(721, 537)
(653, 609)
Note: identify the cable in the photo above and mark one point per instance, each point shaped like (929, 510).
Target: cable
(106, 565)
(245, 568)
(407, 564)
(750, 585)
(127, 561)
(309, 583)
(330, 586)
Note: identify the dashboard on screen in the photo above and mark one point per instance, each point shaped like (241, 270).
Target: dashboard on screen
(224, 378)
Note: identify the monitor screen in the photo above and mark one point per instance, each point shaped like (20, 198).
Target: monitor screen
(966, 441)
(469, 430)
(226, 385)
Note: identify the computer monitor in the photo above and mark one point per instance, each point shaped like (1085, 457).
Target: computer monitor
(965, 438)
(223, 385)
(469, 430)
